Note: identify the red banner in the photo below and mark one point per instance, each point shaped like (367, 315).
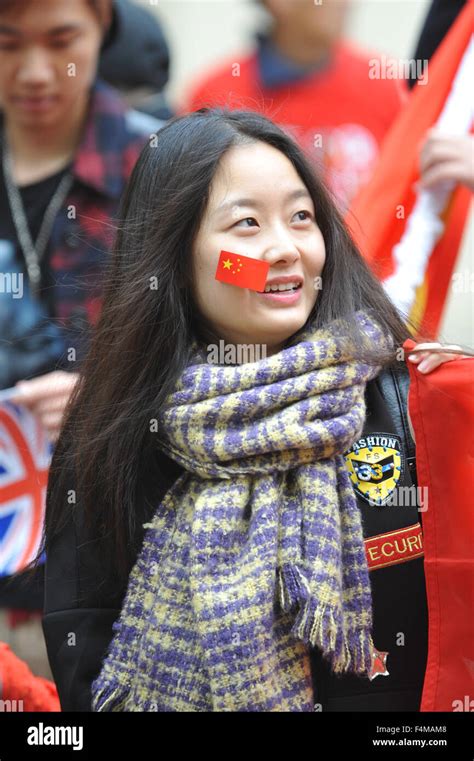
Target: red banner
(441, 406)
(379, 214)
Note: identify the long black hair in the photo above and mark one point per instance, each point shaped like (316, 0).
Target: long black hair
(142, 340)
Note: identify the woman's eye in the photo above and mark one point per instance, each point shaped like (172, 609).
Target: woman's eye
(245, 220)
(304, 211)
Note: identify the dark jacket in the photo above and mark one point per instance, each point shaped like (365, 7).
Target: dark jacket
(78, 617)
(136, 55)
(440, 17)
(395, 551)
(135, 52)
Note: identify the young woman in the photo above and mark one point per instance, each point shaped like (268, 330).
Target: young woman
(205, 519)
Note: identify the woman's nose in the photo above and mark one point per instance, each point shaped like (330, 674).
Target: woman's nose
(284, 252)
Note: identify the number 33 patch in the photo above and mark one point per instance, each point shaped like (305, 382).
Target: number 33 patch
(375, 466)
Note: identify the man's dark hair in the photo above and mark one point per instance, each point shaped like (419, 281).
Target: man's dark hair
(99, 7)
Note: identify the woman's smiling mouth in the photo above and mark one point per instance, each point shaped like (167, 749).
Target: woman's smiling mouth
(284, 290)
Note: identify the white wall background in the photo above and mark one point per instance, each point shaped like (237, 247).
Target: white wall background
(201, 32)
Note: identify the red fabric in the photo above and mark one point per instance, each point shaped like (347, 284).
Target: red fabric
(18, 683)
(348, 111)
(17, 616)
(375, 222)
(443, 260)
(441, 406)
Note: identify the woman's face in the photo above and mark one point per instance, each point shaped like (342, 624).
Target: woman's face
(268, 215)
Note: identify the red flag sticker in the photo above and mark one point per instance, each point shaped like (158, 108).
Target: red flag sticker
(243, 271)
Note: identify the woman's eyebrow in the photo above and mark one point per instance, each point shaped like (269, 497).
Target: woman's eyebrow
(293, 196)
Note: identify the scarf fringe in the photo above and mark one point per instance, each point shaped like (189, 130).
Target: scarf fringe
(316, 625)
(109, 699)
(292, 586)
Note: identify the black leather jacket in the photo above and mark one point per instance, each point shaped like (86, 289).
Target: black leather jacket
(398, 584)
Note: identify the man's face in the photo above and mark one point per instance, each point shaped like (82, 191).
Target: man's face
(321, 23)
(48, 59)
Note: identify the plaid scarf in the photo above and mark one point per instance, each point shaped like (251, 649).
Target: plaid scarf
(256, 552)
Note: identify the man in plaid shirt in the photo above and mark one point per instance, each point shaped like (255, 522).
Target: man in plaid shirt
(57, 118)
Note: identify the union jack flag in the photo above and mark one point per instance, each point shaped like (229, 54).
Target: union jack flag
(25, 456)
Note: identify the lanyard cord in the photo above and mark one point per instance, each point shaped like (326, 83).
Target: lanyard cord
(33, 252)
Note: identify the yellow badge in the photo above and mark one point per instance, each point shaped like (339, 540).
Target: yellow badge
(375, 466)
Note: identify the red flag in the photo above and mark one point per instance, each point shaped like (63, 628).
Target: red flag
(382, 213)
(243, 271)
(441, 406)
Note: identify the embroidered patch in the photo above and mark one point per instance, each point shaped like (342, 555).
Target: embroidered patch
(394, 547)
(375, 466)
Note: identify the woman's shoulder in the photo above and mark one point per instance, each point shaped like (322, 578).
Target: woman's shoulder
(393, 382)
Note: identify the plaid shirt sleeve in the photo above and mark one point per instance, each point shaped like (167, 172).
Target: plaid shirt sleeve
(83, 230)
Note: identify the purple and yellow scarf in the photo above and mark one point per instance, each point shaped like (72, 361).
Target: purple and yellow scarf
(256, 552)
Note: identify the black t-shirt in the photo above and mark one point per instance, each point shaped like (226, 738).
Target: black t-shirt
(31, 343)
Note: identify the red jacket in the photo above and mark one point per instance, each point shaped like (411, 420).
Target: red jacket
(337, 113)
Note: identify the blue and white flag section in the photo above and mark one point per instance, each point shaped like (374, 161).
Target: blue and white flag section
(25, 456)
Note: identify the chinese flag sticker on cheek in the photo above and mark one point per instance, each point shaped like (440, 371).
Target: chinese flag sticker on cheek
(236, 269)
